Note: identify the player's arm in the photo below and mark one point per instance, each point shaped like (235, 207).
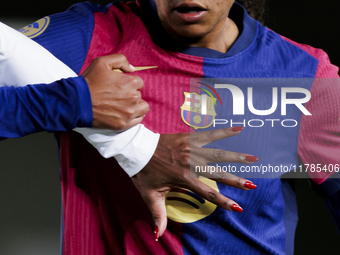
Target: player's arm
(53, 107)
(30, 109)
(71, 48)
(64, 104)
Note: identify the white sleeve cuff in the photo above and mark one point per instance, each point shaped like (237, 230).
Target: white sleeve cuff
(132, 148)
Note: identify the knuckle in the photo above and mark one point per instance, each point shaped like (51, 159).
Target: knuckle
(121, 57)
(137, 81)
(194, 139)
(184, 180)
(185, 137)
(186, 160)
(145, 105)
(138, 95)
(134, 99)
(220, 175)
(121, 124)
(239, 182)
(130, 111)
(212, 195)
(218, 154)
(226, 131)
(210, 134)
(226, 203)
(185, 147)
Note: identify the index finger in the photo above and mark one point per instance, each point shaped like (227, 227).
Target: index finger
(203, 138)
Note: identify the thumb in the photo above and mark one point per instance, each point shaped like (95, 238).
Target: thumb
(118, 62)
(158, 210)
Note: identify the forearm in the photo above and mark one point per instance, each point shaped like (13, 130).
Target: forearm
(44, 107)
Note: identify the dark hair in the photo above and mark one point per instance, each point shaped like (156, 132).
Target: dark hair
(255, 8)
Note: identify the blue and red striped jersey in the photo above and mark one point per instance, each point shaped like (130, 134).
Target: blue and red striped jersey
(103, 213)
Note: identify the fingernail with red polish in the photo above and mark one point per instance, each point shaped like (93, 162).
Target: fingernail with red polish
(236, 208)
(252, 158)
(250, 185)
(156, 233)
(236, 129)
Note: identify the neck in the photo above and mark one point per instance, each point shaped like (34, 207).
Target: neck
(219, 39)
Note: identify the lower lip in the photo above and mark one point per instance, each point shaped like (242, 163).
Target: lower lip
(191, 17)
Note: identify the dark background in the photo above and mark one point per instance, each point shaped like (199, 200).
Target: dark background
(29, 178)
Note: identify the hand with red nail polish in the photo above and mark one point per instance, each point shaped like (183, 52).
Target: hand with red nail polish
(170, 167)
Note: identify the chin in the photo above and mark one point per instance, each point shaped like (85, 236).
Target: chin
(191, 32)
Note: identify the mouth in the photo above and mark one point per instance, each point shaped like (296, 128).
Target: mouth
(186, 9)
(190, 12)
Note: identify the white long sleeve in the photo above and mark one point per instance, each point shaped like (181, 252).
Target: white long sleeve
(23, 61)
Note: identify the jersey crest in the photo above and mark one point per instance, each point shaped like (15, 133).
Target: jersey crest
(198, 111)
(36, 28)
